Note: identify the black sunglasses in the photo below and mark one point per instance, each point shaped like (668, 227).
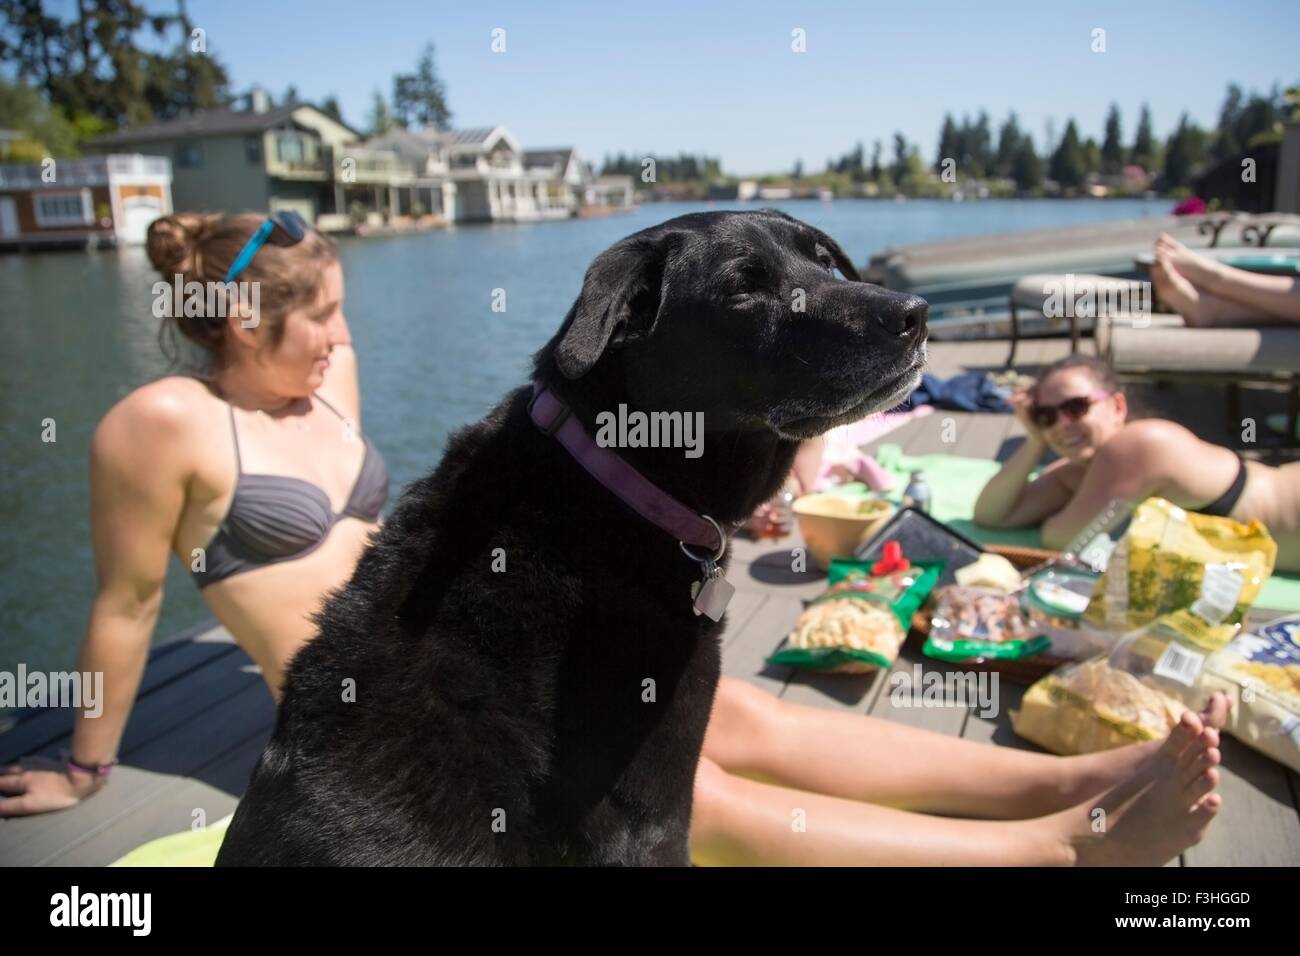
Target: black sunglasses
(1044, 416)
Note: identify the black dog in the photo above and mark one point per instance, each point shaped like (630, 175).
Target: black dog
(515, 673)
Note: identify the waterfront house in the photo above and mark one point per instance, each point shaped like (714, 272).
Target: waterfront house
(96, 201)
(255, 157)
(295, 156)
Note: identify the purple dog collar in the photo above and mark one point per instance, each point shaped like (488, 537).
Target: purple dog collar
(554, 418)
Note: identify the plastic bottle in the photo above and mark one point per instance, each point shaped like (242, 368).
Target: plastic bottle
(917, 493)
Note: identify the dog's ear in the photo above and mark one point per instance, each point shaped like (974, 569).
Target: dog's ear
(620, 299)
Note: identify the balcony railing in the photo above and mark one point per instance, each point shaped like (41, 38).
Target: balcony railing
(91, 171)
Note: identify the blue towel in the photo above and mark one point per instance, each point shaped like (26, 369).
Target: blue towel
(966, 392)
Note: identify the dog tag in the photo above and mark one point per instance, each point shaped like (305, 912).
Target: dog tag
(713, 594)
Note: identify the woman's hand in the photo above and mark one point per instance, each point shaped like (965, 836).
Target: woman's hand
(26, 790)
(1022, 402)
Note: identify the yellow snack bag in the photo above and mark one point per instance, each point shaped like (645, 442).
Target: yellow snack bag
(1199, 573)
(1091, 706)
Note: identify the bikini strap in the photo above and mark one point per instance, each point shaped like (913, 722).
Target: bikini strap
(234, 434)
(324, 401)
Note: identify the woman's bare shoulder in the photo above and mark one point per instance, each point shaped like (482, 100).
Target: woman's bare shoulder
(1153, 435)
(171, 409)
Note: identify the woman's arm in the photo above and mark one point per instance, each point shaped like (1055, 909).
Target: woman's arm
(1010, 499)
(138, 475)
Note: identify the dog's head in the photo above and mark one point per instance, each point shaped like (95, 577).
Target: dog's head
(741, 316)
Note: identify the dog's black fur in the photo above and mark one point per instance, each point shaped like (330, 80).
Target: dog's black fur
(508, 717)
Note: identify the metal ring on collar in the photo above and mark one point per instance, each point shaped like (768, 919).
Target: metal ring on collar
(722, 537)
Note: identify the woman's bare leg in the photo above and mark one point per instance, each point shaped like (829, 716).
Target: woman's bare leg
(1147, 820)
(1197, 306)
(1267, 296)
(856, 757)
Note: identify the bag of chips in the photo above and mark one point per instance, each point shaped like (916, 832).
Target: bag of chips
(1260, 672)
(1180, 585)
(860, 623)
(1090, 706)
(1135, 693)
(1202, 571)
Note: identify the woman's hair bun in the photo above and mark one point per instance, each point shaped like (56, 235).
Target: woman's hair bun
(174, 242)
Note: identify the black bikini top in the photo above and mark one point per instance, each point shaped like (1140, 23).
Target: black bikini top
(275, 518)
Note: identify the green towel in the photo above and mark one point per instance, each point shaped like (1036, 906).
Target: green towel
(955, 482)
(189, 848)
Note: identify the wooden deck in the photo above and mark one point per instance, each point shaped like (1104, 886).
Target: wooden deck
(204, 714)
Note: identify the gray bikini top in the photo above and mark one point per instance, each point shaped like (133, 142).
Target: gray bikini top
(275, 518)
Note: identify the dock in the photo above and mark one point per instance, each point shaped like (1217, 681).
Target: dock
(204, 714)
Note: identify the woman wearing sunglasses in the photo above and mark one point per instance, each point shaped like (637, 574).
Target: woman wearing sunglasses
(254, 474)
(1078, 410)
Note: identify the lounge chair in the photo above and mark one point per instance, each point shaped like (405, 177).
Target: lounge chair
(1051, 298)
(1161, 347)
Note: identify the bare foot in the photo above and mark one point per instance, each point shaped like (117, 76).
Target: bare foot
(1087, 775)
(1176, 291)
(1156, 814)
(1201, 270)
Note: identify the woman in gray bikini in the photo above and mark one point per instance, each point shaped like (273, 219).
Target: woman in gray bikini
(256, 476)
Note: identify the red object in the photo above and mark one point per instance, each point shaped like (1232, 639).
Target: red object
(1191, 206)
(893, 560)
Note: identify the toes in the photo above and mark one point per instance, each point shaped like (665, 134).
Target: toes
(1215, 713)
(1207, 808)
(1203, 762)
(1204, 783)
(1185, 732)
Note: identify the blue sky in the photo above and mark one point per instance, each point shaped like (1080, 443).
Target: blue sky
(720, 78)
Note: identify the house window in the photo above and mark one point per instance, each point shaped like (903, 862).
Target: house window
(64, 209)
(189, 155)
(253, 150)
(291, 149)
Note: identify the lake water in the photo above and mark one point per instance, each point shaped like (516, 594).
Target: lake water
(79, 333)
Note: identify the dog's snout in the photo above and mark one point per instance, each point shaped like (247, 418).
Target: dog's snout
(903, 316)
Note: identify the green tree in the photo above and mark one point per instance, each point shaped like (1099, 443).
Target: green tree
(875, 161)
(112, 60)
(949, 147)
(1226, 145)
(1144, 145)
(1068, 165)
(381, 118)
(1091, 156)
(979, 147)
(1026, 167)
(1009, 139)
(1183, 153)
(419, 98)
(45, 131)
(1112, 147)
(899, 168)
(330, 107)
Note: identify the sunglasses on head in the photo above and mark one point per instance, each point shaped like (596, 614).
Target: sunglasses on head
(1044, 416)
(283, 228)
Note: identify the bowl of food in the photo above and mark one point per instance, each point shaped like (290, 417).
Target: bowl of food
(834, 525)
